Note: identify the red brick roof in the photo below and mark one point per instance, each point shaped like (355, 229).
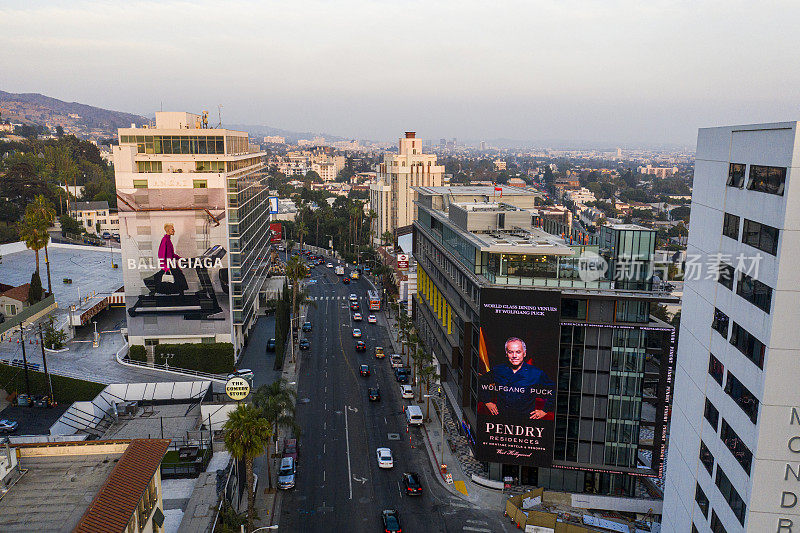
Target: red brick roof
(115, 503)
(18, 293)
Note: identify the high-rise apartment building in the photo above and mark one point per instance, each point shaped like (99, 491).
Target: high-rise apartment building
(734, 450)
(194, 229)
(585, 410)
(392, 197)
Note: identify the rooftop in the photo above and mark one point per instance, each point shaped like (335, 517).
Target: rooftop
(19, 293)
(90, 206)
(475, 190)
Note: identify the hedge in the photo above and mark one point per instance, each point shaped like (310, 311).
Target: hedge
(137, 353)
(213, 358)
(65, 390)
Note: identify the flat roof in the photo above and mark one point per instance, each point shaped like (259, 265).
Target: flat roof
(158, 421)
(55, 491)
(476, 189)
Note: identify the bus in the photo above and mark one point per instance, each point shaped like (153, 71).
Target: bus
(374, 300)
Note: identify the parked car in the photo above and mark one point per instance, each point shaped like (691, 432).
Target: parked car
(271, 345)
(42, 400)
(364, 371)
(412, 484)
(286, 473)
(305, 344)
(8, 426)
(406, 392)
(357, 333)
(385, 459)
(244, 373)
(357, 317)
(397, 360)
(106, 234)
(379, 352)
(361, 346)
(290, 448)
(372, 319)
(115, 236)
(391, 521)
(306, 326)
(374, 394)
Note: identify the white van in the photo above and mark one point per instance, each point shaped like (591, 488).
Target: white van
(414, 415)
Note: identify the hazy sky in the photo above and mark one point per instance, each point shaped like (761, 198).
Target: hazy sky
(613, 72)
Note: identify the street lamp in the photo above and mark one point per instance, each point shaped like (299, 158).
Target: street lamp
(441, 417)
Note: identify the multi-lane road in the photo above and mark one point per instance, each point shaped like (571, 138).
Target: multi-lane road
(339, 485)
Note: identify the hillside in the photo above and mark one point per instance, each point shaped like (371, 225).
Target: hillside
(83, 120)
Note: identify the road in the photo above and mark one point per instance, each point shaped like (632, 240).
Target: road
(339, 485)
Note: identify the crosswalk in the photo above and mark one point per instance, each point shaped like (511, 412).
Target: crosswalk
(334, 298)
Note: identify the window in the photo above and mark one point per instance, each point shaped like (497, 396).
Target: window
(573, 308)
(725, 275)
(767, 179)
(716, 524)
(139, 184)
(200, 184)
(746, 343)
(731, 496)
(740, 451)
(706, 458)
(209, 166)
(743, 397)
(755, 292)
(760, 236)
(730, 226)
(720, 323)
(711, 414)
(148, 166)
(716, 369)
(736, 175)
(701, 499)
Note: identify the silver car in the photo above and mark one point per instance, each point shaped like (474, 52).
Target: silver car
(286, 473)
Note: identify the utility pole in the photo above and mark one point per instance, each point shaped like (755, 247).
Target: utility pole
(44, 360)
(24, 360)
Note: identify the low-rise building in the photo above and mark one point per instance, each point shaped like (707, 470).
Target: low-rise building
(659, 172)
(96, 217)
(13, 299)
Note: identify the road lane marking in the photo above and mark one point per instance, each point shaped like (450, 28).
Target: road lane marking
(480, 529)
(347, 437)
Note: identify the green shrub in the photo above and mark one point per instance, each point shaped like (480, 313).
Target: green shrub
(137, 353)
(65, 390)
(213, 358)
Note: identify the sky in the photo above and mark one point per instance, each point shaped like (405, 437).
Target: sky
(611, 72)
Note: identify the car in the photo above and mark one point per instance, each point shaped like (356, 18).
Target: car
(271, 345)
(361, 346)
(42, 400)
(355, 307)
(401, 375)
(329, 265)
(412, 484)
(353, 297)
(406, 392)
(391, 521)
(364, 370)
(397, 360)
(286, 473)
(346, 280)
(357, 317)
(305, 344)
(385, 459)
(357, 333)
(106, 234)
(379, 352)
(115, 236)
(290, 448)
(8, 426)
(374, 394)
(372, 319)
(244, 373)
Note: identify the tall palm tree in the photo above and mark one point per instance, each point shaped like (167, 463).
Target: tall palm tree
(34, 235)
(276, 402)
(371, 216)
(387, 237)
(296, 270)
(302, 230)
(247, 435)
(427, 373)
(44, 211)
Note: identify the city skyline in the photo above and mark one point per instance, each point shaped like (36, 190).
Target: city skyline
(616, 74)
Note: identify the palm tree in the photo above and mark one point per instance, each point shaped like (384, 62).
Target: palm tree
(276, 402)
(387, 237)
(34, 235)
(427, 373)
(44, 211)
(247, 435)
(296, 270)
(371, 216)
(301, 232)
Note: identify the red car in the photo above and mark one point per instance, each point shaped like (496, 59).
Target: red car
(290, 448)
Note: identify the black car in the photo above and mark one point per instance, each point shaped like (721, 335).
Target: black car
(306, 326)
(346, 280)
(304, 344)
(354, 306)
(374, 394)
(401, 375)
(412, 484)
(391, 521)
(361, 346)
(364, 371)
(271, 345)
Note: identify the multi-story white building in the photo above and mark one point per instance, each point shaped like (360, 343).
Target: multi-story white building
(96, 217)
(392, 197)
(734, 450)
(580, 196)
(204, 192)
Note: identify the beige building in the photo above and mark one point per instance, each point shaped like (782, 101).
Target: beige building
(96, 217)
(659, 172)
(499, 164)
(392, 197)
(110, 486)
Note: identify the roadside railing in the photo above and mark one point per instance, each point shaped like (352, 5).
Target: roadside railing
(125, 360)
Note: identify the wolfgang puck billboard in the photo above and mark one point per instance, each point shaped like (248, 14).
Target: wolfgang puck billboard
(518, 350)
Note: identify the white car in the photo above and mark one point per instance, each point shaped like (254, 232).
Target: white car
(396, 360)
(372, 319)
(244, 373)
(353, 298)
(329, 265)
(357, 317)
(407, 392)
(385, 459)
(357, 333)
